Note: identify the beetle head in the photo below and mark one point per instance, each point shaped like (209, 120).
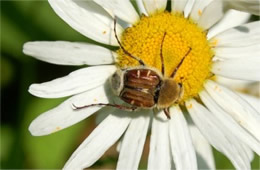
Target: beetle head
(117, 82)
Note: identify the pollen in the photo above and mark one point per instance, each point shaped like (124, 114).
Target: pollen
(189, 106)
(214, 43)
(199, 12)
(144, 40)
(56, 129)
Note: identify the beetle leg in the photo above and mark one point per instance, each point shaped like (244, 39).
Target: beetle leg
(167, 112)
(182, 90)
(126, 108)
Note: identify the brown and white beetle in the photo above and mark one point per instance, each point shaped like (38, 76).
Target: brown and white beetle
(143, 86)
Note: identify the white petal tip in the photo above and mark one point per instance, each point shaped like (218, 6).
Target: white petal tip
(36, 129)
(26, 47)
(30, 90)
(34, 90)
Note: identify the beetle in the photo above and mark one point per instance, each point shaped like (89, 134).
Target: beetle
(143, 86)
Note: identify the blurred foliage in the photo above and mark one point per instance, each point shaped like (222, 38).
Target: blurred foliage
(23, 21)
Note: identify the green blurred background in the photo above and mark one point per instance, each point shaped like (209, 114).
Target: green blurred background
(23, 21)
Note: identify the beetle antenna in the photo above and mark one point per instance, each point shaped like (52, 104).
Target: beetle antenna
(125, 51)
(105, 104)
(161, 53)
(178, 66)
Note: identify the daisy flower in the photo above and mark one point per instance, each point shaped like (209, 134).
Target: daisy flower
(204, 40)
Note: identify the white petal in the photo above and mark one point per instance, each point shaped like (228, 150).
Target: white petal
(198, 8)
(88, 18)
(103, 137)
(249, 152)
(211, 14)
(246, 68)
(64, 115)
(237, 52)
(239, 109)
(119, 143)
(178, 5)
(154, 6)
(160, 151)
(181, 144)
(218, 135)
(188, 8)
(102, 114)
(251, 6)
(252, 100)
(120, 8)
(229, 122)
(250, 87)
(141, 7)
(244, 35)
(105, 111)
(205, 157)
(68, 53)
(232, 18)
(76, 82)
(232, 83)
(133, 141)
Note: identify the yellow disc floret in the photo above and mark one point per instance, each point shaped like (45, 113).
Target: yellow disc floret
(144, 40)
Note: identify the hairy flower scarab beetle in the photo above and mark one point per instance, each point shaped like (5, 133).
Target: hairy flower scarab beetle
(143, 86)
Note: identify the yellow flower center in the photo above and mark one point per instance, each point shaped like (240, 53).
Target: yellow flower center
(144, 40)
